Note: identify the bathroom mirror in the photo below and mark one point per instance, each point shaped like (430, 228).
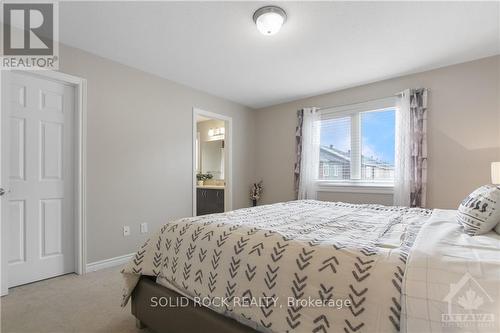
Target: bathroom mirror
(212, 158)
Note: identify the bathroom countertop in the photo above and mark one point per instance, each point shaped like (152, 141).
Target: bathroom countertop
(211, 187)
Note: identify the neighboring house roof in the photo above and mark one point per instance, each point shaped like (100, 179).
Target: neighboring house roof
(330, 154)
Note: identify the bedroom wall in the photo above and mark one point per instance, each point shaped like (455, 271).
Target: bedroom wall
(139, 150)
(463, 132)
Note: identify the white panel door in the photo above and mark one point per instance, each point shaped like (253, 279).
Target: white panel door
(40, 202)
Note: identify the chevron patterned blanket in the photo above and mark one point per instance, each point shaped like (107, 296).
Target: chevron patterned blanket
(299, 266)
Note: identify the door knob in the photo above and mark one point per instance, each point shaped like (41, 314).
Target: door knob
(2, 191)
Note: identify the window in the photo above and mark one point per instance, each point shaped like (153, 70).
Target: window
(326, 171)
(335, 147)
(336, 170)
(357, 144)
(378, 144)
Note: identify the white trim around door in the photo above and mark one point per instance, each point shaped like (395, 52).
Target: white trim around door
(80, 86)
(228, 152)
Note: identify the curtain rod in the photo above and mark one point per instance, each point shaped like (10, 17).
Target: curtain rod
(366, 101)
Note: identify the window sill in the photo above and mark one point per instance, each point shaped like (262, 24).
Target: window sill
(354, 187)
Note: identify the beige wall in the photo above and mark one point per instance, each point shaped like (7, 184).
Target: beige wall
(463, 132)
(139, 150)
(139, 143)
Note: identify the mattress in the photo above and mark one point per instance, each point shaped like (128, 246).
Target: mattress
(300, 266)
(452, 280)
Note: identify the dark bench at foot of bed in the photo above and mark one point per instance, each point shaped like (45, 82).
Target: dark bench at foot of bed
(177, 319)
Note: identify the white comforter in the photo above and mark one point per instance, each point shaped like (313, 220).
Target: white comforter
(301, 266)
(452, 280)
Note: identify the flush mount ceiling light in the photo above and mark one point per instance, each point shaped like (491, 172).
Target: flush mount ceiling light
(269, 19)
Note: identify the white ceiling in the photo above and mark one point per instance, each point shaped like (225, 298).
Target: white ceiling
(324, 46)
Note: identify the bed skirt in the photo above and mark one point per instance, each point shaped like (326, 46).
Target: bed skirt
(159, 309)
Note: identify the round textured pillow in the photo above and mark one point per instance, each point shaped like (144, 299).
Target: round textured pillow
(480, 211)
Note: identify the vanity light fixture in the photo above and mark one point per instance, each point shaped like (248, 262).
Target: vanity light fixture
(216, 131)
(269, 19)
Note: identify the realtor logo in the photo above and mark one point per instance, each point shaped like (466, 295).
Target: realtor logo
(34, 22)
(30, 34)
(467, 301)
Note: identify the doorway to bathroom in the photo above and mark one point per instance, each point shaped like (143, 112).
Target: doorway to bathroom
(212, 162)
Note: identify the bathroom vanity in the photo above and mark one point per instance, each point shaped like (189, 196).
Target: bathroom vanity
(209, 199)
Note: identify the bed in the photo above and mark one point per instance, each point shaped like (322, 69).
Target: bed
(309, 266)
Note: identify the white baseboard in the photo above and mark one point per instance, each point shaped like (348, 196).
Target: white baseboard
(107, 263)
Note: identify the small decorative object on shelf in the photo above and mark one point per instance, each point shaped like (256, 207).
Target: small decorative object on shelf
(201, 177)
(256, 192)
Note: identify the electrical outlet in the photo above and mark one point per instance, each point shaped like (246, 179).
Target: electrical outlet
(126, 230)
(144, 228)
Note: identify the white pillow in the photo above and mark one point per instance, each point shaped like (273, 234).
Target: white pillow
(480, 211)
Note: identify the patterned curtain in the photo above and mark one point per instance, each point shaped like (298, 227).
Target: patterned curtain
(411, 149)
(298, 151)
(418, 123)
(306, 167)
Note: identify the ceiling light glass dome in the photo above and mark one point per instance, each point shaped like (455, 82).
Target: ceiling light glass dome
(269, 19)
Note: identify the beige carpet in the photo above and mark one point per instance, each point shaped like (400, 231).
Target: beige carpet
(69, 303)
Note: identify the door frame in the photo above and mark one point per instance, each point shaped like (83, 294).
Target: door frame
(228, 156)
(80, 154)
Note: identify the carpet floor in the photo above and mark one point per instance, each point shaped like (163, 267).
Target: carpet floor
(68, 303)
